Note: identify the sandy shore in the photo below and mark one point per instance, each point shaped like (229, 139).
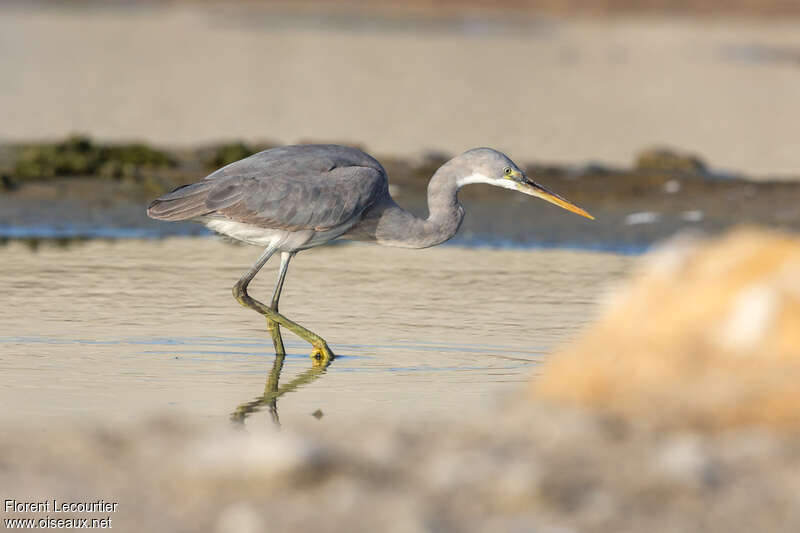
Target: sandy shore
(545, 89)
(525, 468)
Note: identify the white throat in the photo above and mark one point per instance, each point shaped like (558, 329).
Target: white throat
(477, 177)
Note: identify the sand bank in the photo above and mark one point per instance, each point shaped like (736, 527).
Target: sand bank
(545, 89)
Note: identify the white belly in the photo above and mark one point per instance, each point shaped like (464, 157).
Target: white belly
(245, 232)
(284, 240)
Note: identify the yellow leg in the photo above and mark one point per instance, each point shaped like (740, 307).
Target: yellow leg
(275, 332)
(321, 353)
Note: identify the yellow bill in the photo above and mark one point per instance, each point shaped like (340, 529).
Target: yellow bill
(534, 189)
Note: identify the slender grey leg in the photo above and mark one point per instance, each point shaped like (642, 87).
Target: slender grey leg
(285, 258)
(248, 276)
(272, 326)
(321, 350)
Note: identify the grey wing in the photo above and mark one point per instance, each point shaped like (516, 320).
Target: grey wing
(317, 202)
(294, 187)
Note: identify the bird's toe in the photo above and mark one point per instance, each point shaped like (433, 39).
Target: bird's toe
(321, 354)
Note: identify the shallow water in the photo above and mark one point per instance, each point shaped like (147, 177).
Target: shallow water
(117, 330)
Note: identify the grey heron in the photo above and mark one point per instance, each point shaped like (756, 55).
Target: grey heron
(293, 198)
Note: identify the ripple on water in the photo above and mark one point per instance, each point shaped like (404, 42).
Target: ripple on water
(118, 330)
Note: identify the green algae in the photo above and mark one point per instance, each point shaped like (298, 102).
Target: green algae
(665, 160)
(225, 154)
(78, 155)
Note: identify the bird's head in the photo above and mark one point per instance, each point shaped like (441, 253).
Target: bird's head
(485, 165)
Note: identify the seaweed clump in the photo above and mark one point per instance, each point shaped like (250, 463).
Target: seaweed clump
(663, 160)
(225, 154)
(79, 156)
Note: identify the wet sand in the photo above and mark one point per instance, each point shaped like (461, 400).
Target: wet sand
(561, 91)
(113, 331)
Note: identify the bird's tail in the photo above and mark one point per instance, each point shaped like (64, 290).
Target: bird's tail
(185, 202)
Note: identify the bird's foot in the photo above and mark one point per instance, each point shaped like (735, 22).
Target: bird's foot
(321, 354)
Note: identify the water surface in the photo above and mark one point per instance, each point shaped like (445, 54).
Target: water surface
(117, 330)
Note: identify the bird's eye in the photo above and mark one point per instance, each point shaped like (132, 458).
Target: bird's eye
(507, 170)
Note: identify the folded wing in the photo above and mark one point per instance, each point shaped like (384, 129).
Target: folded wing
(292, 188)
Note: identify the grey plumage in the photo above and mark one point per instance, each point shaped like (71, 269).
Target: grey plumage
(297, 197)
(312, 187)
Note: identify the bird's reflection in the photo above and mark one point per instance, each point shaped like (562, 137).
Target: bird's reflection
(273, 390)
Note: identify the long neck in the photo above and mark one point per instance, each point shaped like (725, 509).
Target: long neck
(394, 226)
(444, 212)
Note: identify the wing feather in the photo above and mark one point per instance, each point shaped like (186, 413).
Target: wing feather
(293, 188)
(182, 203)
(316, 201)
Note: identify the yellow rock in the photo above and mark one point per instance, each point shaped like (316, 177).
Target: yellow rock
(707, 334)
